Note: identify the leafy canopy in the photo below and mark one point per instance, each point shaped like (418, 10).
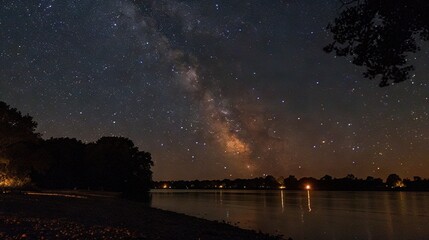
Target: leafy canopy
(379, 34)
(15, 127)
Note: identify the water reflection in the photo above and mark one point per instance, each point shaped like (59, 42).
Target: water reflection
(308, 201)
(309, 215)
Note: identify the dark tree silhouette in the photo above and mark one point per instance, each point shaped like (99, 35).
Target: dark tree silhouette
(393, 180)
(139, 176)
(291, 182)
(15, 127)
(63, 164)
(271, 182)
(16, 131)
(26, 157)
(114, 163)
(111, 163)
(417, 179)
(379, 34)
(326, 178)
(347, 183)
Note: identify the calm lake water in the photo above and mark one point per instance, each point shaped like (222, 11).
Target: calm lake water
(308, 214)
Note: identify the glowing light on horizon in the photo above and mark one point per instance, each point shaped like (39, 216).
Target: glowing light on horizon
(13, 182)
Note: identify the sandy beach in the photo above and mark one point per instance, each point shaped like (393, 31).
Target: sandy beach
(91, 216)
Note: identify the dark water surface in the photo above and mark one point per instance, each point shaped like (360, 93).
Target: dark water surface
(308, 214)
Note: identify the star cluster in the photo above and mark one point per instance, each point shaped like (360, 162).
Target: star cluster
(213, 89)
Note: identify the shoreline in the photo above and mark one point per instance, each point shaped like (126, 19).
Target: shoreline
(76, 215)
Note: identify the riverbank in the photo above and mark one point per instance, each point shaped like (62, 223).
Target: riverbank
(91, 216)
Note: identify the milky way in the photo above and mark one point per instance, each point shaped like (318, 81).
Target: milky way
(213, 89)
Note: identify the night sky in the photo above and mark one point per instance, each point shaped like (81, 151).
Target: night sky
(213, 89)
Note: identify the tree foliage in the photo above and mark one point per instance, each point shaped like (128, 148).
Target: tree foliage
(15, 127)
(379, 34)
(16, 131)
(111, 163)
(327, 182)
(115, 163)
(393, 180)
(64, 165)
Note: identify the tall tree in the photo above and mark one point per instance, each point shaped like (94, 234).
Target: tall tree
(114, 163)
(15, 130)
(379, 35)
(63, 163)
(393, 180)
(15, 127)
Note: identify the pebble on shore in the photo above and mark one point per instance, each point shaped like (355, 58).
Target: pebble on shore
(54, 217)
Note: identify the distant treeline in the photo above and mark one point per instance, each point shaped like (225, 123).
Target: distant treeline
(348, 183)
(110, 163)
